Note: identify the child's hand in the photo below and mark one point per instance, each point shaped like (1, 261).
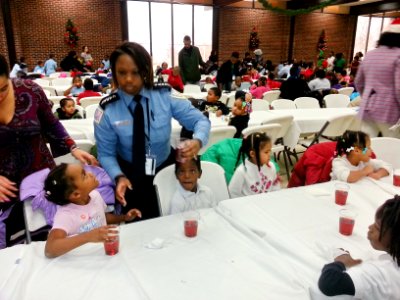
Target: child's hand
(133, 213)
(99, 234)
(218, 113)
(347, 260)
(368, 170)
(375, 175)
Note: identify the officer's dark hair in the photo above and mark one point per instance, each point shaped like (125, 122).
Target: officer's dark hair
(217, 91)
(88, 84)
(58, 186)
(389, 215)
(195, 160)
(389, 39)
(351, 139)
(187, 38)
(141, 58)
(64, 101)
(4, 69)
(254, 142)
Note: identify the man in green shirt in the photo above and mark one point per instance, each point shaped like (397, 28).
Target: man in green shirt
(189, 61)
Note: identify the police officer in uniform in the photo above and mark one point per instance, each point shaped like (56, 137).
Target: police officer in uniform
(133, 127)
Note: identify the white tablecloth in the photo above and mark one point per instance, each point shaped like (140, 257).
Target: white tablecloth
(305, 121)
(268, 246)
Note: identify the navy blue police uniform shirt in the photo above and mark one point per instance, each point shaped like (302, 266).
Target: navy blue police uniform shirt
(113, 125)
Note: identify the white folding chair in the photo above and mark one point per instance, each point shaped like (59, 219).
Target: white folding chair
(47, 93)
(245, 85)
(208, 86)
(52, 90)
(86, 101)
(279, 146)
(334, 127)
(260, 104)
(56, 99)
(272, 130)
(62, 81)
(306, 102)
(42, 82)
(336, 100)
(231, 100)
(387, 149)
(283, 104)
(346, 90)
(85, 145)
(224, 98)
(90, 110)
(191, 88)
(217, 134)
(165, 182)
(271, 95)
(34, 220)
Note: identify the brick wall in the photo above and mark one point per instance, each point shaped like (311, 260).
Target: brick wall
(3, 41)
(273, 31)
(39, 27)
(235, 25)
(339, 30)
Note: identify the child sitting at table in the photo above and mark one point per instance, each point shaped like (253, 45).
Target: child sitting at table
(375, 279)
(67, 110)
(354, 159)
(241, 112)
(81, 216)
(256, 174)
(212, 103)
(76, 87)
(190, 194)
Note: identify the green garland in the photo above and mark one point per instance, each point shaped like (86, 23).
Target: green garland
(294, 12)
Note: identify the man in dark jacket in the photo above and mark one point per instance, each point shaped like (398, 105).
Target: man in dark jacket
(227, 70)
(189, 61)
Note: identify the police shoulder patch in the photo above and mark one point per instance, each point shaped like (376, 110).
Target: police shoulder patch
(109, 99)
(162, 86)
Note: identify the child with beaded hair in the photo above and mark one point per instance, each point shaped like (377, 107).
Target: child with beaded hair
(256, 174)
(354, 160)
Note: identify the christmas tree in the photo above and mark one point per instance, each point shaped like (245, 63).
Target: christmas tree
(254, 42)
(71, 36)
(321, 48)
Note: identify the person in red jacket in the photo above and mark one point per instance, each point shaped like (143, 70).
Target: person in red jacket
(174, 78)
(88, 85)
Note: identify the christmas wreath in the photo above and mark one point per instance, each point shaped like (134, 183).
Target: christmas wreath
(71, 36)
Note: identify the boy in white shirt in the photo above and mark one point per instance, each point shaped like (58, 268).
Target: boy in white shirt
(190, 194)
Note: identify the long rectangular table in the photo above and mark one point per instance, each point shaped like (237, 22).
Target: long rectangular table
(305, 121)
(268, 246)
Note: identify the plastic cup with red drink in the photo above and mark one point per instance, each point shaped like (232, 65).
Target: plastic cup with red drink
(346, 221)
(341, 193)
(111, 244)
(190, 223)
(396, 177)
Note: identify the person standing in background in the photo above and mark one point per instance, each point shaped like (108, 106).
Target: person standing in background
(189, 61)
(50, 66)
(378, 81)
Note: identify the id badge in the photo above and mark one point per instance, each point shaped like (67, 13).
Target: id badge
(150, 165)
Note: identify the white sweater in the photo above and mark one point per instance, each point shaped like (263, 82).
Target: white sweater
(248, 180)
(341, 167)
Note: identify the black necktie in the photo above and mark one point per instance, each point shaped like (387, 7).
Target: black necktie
(139, 142)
